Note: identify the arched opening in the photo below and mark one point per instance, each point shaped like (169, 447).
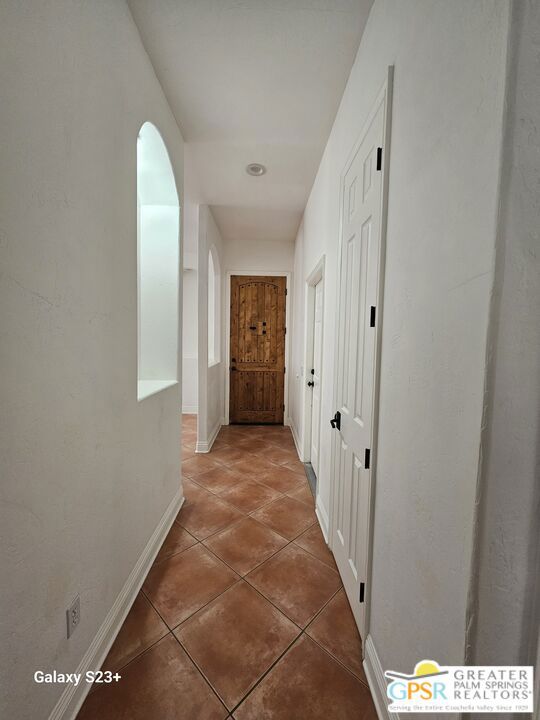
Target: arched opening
(158, 226)
(214, 320)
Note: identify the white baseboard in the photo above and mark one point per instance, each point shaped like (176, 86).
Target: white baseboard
(190, 409)
(377, 683)
(72, 698)
(297, 442)
(322, 517)
(205, 447)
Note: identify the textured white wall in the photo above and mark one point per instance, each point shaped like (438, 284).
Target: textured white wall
(87, 472)
(211, 379)
(190, 340)
(259, 256)
(297, 340)
(505, 597)
(158, 284)
(444, 162)
(190, 351)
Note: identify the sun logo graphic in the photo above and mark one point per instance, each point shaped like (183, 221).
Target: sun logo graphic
(426, 684)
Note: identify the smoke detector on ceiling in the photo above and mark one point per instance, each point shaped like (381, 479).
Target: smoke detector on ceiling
(255, 169)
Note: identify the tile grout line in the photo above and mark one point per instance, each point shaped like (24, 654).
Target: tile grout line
(296, 639)
(249, 514)
(215, 597)
(267, 671)
(303, 631)
(171, 630)
(336, 659)
(207, 680)
(177, 552)
(198, 669)
(243, 478)
(143, 652)
(243, 578)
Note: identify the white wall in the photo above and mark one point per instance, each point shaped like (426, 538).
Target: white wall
(190, 215)
(297, 340)
(215, 330)
(190, 340)
(211, 378)
(444, 165)
(505, 595)
(87, 472)
(259, 257)
(159, 265)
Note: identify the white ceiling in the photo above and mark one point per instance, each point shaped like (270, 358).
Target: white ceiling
(253, 81)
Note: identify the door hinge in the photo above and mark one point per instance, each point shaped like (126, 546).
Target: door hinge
(286, 291)
(284, 369)
(372, 316)
(283, 408)
(379, 158)
(362, 592)
(285, 331)
(367, 458)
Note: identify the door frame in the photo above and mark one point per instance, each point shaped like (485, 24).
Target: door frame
(266, 273)
(384, 96)
(314, 277)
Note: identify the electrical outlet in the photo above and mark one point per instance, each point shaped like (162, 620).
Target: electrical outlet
(73, 615)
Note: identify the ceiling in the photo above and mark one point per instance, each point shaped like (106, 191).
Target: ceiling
(253, 81)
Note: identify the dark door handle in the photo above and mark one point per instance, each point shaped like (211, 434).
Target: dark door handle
(335, 422)
(252, 327)
(310, 383)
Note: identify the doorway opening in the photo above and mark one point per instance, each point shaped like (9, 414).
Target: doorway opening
(257, 340)
(313, 371)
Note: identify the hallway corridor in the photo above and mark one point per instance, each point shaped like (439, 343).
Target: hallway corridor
(243, 614)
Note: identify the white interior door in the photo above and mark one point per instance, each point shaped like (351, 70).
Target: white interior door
(357, 359)
(316, 375)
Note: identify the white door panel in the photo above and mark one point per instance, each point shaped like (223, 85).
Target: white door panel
(316, 376)
(356, 365)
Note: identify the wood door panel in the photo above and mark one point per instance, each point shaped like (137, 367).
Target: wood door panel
(257, 359)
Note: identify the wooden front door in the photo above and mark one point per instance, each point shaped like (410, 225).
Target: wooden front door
(257, 358)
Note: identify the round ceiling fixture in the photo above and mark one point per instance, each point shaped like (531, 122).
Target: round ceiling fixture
(255, 169)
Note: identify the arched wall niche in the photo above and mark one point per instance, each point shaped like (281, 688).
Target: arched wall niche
(158, 263)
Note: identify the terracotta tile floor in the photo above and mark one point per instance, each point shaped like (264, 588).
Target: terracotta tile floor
(243, 614)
